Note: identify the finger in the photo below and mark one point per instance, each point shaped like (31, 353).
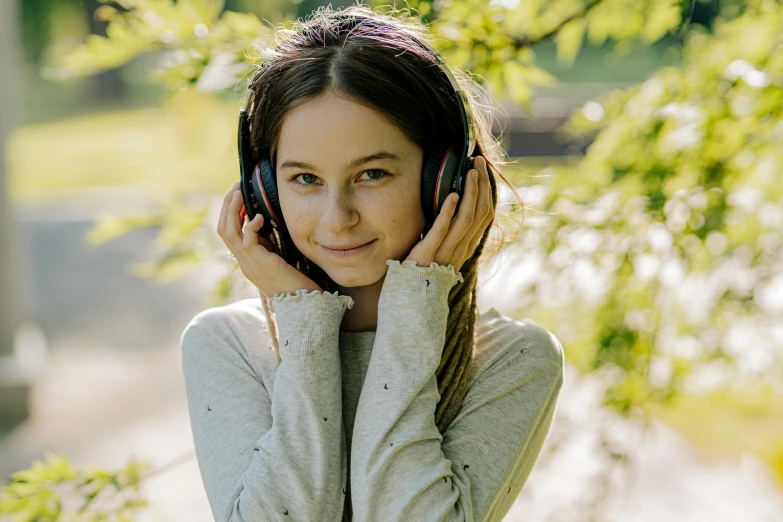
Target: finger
(484, 202)
(221, 224)
(440, 227)
(462, 222)
(487, 213)
(251, 238)
(233, 228)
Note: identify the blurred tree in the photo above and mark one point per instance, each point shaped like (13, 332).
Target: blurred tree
(690, 161)
(35, 22)
(106, 85)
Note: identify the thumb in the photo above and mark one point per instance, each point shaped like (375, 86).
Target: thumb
(251, 231)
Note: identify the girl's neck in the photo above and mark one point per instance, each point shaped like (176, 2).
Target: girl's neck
(363, 316)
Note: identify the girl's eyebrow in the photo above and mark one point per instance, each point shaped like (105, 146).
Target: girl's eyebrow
(381, 155)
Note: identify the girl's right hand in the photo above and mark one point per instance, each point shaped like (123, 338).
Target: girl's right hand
(269, 272)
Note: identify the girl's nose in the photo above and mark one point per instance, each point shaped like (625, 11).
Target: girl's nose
(340, 212)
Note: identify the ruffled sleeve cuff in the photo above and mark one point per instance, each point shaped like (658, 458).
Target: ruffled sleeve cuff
(408, 285)
(444, 273)
(308, 320)
(325, 298)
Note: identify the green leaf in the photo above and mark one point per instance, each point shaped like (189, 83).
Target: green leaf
(569, 40)
(662, 17)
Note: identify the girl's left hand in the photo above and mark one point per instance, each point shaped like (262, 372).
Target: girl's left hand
(450, 241)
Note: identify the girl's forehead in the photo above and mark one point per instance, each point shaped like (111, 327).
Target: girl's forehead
(327, 113)
(339, 132)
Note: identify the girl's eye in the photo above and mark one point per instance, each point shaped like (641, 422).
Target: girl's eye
(380, 175)
(311, 176)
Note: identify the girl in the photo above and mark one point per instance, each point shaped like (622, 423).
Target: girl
(376, 392)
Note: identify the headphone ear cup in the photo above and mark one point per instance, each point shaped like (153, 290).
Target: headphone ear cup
(287, 249)
(434, 175)
(270, 189)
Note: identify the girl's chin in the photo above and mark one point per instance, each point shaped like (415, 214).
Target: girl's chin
(349, 277)
(352, 276)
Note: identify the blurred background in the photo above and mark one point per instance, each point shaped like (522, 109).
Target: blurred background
(645, 139)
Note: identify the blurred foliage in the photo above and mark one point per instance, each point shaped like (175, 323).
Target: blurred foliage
(495, 39)
(492, 40)
(681, 190)
(675, 208)
(197, 32)
(655, 202)
(53, 490)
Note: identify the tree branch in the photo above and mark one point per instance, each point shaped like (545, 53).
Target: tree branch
(527, 41)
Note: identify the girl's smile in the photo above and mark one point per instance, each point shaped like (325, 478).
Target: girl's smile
(351, 251)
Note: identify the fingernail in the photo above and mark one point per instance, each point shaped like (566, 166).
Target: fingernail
(474, 175)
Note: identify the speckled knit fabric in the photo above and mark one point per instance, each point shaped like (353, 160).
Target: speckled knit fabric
(353, 413)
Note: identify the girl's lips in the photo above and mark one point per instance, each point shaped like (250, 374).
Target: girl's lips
(351, 252)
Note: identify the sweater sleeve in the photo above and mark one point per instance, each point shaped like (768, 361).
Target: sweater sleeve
(278, 453)
(402, 467)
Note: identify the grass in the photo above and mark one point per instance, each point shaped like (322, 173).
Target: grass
(189, 143)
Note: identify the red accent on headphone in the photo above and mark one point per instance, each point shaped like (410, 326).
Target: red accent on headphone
(437, 183)
(263, 192)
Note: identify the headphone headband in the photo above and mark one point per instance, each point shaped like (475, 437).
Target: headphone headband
(466, 114)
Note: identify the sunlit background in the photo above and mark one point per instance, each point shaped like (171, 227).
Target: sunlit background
(646, 141)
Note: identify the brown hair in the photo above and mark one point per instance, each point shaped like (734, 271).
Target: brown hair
(376, 62)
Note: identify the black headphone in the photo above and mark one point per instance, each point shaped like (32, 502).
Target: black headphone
(444, 170)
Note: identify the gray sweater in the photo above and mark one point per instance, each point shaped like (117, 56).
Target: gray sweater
(348, 418)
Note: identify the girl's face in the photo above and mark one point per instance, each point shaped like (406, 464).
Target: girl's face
(333, 194)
